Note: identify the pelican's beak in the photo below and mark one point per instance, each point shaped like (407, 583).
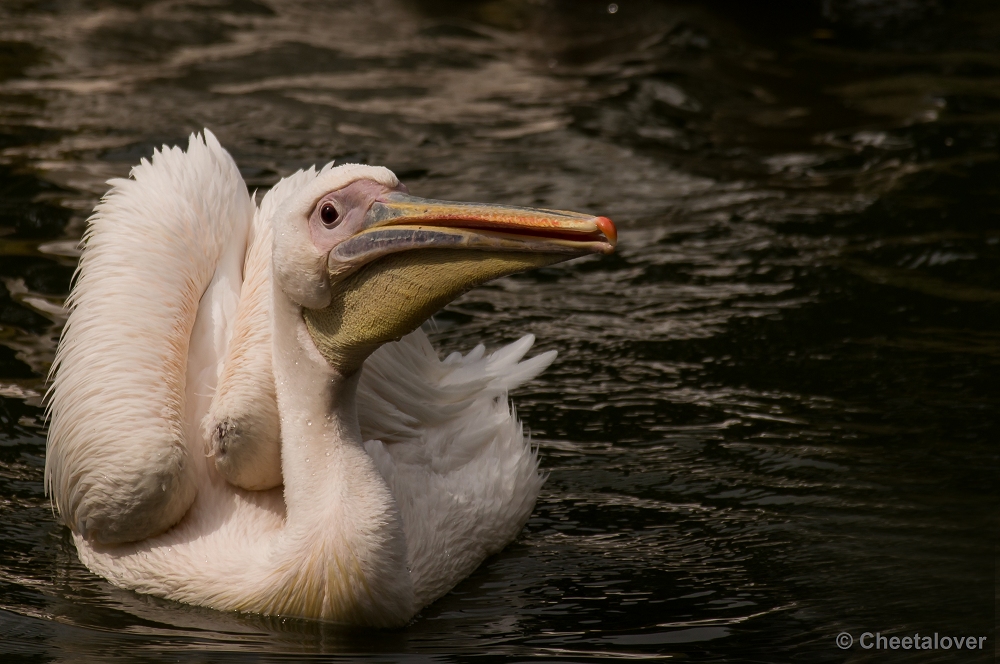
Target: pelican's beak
(399, 222)
(412, 256)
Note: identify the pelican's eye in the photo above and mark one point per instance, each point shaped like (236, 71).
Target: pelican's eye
(328, 213)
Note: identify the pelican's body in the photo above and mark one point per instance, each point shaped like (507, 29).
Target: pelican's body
(228, 428)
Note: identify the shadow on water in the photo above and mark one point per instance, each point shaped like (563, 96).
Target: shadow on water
(773, 417)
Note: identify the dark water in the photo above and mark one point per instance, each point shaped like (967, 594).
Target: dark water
(774, 416)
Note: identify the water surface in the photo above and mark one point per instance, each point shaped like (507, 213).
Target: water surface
(774, 416)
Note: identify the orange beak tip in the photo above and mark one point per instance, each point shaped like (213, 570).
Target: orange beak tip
(608, 228)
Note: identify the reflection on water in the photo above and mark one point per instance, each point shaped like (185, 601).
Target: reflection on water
(772, 418)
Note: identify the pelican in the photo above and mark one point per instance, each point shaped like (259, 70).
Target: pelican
(245, 413)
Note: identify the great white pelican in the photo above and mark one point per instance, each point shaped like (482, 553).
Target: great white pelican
(245, 414)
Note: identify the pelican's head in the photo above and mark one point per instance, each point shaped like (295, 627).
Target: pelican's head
(369, 263)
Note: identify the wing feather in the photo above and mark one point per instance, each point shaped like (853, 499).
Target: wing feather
(158, 279)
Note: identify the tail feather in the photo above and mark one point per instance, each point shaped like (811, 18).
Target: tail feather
(451, 448)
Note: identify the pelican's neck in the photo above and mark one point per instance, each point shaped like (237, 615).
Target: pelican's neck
(319, 420)
(340, 511)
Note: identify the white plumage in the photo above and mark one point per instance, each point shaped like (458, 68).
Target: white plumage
(177, 330)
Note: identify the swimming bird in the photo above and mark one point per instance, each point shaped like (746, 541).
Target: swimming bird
(245, 412)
